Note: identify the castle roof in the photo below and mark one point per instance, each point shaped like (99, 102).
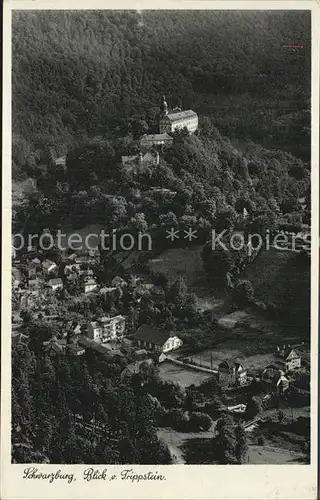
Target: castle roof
(181, 115)
(156, 137)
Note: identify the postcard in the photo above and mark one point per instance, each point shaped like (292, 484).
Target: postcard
(160, 250)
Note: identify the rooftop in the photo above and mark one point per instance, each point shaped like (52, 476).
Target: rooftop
(53, 281)
(85, 342)
(180, 115)
(152, 334)
(231, 363)
(156, 137)
(48, 263)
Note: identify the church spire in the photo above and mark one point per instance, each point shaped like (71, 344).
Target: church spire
(163, 106)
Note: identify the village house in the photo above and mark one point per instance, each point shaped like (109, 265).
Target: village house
(89, 285)
(32, 272)
(118, 282)
(155, 339)
(72, 257)
(232, 373)
(19, 338)
(76, 328)
(106, 328)
(141, 159)
(275, 379)
(49, 266)
(142, 290)
(95, 346)
(56, 284)
(140, 354)
(16, 278)
(36, 263)
(34, 284)
(55, 346)
(72, 268)
(142, 367)
(107, 290)
(287, 358)
(74, 349)
(114, 355)
(148, 141)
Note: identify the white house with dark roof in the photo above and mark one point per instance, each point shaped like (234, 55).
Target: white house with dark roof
(106, 328)
(55, 346)
(140, 159)
(232, 372)
(176, 119)
(287, 358)
(152, 338)
(89, 285)
(147, 141)
(56, 284)
(49, 266)
(275, 379)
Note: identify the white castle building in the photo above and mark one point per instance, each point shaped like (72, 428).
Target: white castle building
(176, 119)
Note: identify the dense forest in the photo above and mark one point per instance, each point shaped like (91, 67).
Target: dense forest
(76, 76)
(87, 86)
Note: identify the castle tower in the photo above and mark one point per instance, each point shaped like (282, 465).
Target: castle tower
(163, 107)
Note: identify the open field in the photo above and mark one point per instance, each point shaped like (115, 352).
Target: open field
(177, 441)
(184, 376)
(253, 342)
(262, 455)
(184, 262)
(282, 278)
(187, 264)
(240, 350)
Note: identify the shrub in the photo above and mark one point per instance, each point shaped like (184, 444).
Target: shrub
(199, 422)
(177, 419)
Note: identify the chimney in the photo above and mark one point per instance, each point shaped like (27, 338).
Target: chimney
(158, 158)
(140, 158)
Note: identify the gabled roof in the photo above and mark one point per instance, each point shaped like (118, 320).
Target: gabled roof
(90, 281)
(229, 364)
(57, 345)
(290, 353)
(129, 159)
(282, 380)
(156, 137)
(75, 348)
(152, 334)
(118, 281)
(180, 115)
(136, 367)
(55, 281)
(48, 263)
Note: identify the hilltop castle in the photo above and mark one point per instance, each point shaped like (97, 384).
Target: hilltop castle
(168, 122)
(176, 119)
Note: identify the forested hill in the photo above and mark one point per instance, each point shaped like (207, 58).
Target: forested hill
(78, 74)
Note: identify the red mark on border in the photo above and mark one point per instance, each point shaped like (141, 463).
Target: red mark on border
(292, 46)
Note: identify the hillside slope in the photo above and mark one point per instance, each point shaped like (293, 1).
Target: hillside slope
(77, 75)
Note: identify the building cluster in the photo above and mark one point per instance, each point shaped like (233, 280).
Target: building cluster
(169, 122)
(275, 376)
(33, 274)
(37, 283)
